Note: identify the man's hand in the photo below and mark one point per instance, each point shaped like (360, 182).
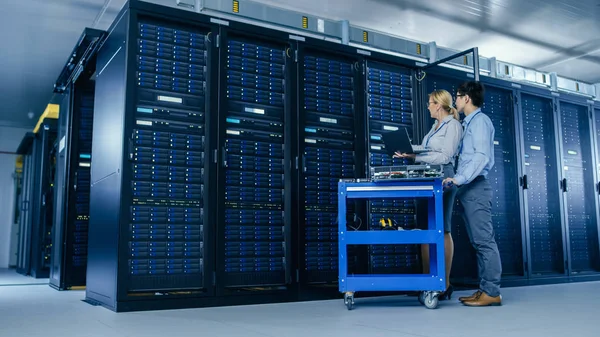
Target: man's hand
(448, 182)
(404, 155)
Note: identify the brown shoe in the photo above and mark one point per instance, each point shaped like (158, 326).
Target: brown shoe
(472, 297)
(484, 300)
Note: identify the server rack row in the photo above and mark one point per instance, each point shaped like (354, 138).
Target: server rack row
(543, 155)
(225, 147)
(210, 111)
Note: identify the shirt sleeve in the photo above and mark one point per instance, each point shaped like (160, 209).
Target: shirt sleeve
(448, 151)
(482, 150)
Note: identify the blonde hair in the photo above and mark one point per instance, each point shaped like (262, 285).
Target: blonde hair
(444, 98)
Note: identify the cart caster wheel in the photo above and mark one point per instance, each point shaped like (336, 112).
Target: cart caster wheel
(422, 296)
(431, 301)
(349, 301)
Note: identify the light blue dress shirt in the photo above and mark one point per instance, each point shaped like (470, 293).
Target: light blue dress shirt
(442, 143)
(476, 153)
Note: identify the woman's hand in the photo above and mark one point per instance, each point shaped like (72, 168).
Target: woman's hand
(404, 155)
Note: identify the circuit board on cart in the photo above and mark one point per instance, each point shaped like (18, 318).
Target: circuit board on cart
(402, 172)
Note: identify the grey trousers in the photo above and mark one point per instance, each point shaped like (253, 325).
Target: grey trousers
(476, 199)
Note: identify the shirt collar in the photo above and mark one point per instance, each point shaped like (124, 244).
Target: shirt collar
(469, 117)
(447, 118)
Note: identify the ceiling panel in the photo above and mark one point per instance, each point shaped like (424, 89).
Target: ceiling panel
(549, 35)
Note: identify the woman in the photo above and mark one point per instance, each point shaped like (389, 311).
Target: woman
(442, 142)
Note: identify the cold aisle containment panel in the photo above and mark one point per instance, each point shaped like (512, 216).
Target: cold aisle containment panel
(76, 87)
(37, 197)
(218, 146)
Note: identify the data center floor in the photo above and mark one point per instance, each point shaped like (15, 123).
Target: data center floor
(9, 277)
(555, 310)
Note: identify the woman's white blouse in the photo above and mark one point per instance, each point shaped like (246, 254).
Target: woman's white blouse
(442, 143)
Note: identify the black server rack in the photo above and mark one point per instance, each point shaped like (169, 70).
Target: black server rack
(390, 108)
(330, 141)
(254, 236)
(71, 212)
(540, 183)
(151, 214)
(36, 241)
(75, 86)
(577, 185)
(504, 179)
(23, 248)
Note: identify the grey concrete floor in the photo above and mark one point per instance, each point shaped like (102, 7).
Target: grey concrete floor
(554, 310)
(9, 277)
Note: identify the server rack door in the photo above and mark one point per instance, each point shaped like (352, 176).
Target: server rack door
(254, 249)
(504, 178)
(597, 133)
(41, 240)
(506, 215)
(390, 108)
(60, 192)
(329, 119)
(77, 217)
(540, 184)
(578, 188)
(25, 220)
(167, 232)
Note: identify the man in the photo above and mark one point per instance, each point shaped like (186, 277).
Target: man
(476, 159)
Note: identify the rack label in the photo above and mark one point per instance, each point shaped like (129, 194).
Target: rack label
(146, 123)
(170, 99)
(255, 111)
(328, 120)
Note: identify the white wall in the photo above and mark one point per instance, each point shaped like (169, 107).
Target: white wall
(10, 138)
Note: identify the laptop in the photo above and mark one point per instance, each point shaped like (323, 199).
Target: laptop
(398, 141)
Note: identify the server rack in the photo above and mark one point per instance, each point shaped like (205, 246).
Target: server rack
(254, 234)
(574, 120)
(36, 240)
(330, 147)
(23, 248)
(539, 183)
(390, 90)
(595, 106)
(153, 170)
(75, 86)
(71, 211)
(499, 105)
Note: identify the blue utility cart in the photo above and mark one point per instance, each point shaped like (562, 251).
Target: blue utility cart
(430, 285)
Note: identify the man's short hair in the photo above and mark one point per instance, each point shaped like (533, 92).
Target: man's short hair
(475, 90)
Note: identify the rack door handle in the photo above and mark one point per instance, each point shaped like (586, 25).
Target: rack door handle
(563, 184)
